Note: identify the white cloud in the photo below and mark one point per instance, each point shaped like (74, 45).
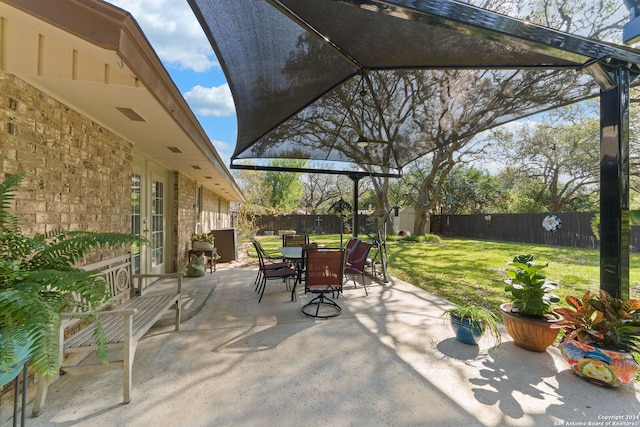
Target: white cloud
(221, 145)
(173, 31)
(211, 101)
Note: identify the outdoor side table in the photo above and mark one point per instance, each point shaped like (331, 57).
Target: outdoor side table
(20, 367)
(212, 254)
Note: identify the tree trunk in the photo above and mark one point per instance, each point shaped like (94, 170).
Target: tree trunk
(421, 221)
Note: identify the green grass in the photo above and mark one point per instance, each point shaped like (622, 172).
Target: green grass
(473, 271)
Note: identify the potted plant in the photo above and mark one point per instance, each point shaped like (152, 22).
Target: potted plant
(469, 322)
(601, 333)
(529, 316)
(202, 241)
(38, 275)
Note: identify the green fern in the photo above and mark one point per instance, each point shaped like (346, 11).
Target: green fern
(38, 276)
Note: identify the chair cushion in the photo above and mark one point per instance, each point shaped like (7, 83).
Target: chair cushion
(281, 272)
(276, 265)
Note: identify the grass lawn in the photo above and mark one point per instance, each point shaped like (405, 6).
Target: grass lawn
(461, 270)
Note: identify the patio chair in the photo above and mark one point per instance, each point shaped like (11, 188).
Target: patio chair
(270, 262)
(351, 244)
(270, 271)
(324, 274)
(356, 262)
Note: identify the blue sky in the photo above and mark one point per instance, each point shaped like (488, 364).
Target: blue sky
(176, 36)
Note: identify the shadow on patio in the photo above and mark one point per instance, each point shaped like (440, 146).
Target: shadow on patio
(388, 359)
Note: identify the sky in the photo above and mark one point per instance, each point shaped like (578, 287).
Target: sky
(180, 43)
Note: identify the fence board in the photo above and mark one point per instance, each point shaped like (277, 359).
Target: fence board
(310, 224)
(523, 228)
(526, 228)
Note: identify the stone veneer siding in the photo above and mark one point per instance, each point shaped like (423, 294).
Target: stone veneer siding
(215, 213)
(185, 224)
(77, 173)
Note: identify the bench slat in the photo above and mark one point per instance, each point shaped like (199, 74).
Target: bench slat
(151, 312)
(148, 308)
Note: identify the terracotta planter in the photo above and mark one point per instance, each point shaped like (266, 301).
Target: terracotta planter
(609, 368)
(464, 331)
(530, 333)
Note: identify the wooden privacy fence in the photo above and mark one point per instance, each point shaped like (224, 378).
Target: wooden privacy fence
(310, 224)
(525, 228)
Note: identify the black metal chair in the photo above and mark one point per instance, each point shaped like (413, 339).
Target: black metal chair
(269, 269)
(324, 274)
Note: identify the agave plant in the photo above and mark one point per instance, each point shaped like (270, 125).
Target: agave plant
(602, 321)
(38, 276)
(529, 287)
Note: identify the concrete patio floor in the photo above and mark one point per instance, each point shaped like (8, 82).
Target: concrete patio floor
(388, 360)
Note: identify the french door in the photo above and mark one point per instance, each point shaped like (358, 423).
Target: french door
(148, 207)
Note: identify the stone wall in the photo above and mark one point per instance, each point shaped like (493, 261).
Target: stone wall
(185, 225)
(77, 173)
(215, 213)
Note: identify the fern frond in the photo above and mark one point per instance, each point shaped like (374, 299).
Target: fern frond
(39, 280)
(63, 249)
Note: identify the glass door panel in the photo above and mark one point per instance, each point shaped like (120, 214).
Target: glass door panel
(157, 224)
(148, 216)
(136, 219)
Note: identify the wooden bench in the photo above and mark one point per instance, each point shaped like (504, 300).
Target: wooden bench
(134, 314)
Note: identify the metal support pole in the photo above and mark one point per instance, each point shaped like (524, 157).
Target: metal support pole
(355, 225)
(614, 186)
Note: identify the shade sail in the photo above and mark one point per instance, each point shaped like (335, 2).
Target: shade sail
(310, 78)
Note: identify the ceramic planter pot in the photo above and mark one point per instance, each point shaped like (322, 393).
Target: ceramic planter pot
(530, 333)
(609, 368)
(465, 331)
(202, 246)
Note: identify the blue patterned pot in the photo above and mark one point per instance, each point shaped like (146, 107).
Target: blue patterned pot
(465, 331)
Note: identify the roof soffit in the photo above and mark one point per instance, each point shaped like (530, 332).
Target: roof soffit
(121, 69)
